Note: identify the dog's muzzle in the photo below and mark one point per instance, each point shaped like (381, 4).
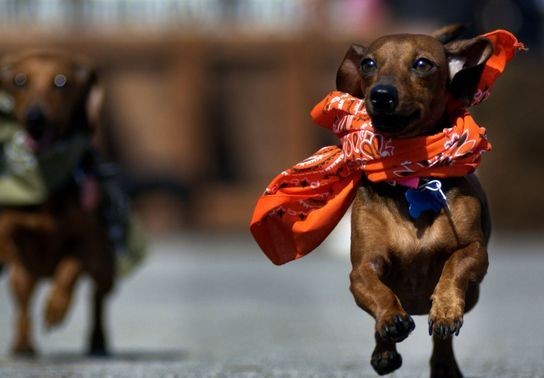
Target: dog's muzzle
(35, 121)
(384, 99)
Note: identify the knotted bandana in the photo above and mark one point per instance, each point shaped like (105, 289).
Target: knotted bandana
(303, 204)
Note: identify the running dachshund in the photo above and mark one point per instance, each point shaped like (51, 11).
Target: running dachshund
(432, 265)
(63, 237)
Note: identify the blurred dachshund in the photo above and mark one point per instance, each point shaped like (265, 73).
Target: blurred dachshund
(55, 99)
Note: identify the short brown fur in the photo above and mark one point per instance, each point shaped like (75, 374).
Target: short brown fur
(434, 264)
(58, 239)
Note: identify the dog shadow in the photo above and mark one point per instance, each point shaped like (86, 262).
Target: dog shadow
(136, 355)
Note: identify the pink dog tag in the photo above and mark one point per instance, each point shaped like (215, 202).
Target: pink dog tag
(412, 182)
(90, 194)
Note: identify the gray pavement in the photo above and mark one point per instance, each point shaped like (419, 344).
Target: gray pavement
(213, 306)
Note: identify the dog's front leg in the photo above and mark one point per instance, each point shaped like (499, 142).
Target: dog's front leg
(372, 295)
(393, 324)
(462, 273)
(464, 268)
(22, 285)
(66, 275)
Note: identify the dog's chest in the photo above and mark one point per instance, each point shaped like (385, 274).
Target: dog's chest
(386, 215)
(430, 234)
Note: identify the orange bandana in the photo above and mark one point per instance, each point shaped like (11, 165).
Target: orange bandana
(303, 204)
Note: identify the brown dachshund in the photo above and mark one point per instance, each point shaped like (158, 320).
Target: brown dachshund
(435, 263)
(64, 236)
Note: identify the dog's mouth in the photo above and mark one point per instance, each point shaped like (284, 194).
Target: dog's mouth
(39, 141)
(393, 124)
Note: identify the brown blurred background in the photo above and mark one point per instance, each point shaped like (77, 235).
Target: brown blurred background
(207, 100)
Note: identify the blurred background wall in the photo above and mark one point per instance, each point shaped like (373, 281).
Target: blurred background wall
(207, 100)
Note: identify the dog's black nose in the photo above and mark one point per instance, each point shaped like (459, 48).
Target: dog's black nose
(384, 98)
(35, 120)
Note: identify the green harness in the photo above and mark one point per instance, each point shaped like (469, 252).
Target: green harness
(28, 179)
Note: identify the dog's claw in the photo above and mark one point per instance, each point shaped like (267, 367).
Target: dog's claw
(458, 325)
(398, 328)
(443, 330)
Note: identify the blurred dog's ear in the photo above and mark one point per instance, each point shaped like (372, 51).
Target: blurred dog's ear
(7, 102)
(92, 97)
(348, 76)
(7, 64)
(466, 61)
(95, 102)
(448, 33)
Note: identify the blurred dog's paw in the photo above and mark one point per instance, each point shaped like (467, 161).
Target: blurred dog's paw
(23, 350)
(56, 308)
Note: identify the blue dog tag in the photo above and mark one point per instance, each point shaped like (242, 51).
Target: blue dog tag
(429, 196)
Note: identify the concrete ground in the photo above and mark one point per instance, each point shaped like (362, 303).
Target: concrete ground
(213, 306)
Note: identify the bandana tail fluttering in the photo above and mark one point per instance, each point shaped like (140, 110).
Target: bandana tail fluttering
(303, 204)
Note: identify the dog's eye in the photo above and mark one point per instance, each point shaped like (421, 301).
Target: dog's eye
(423, 65)
(368, 66)
(19, 80)
(60, 81)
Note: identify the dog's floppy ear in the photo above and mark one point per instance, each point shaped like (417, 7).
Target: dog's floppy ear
(7, 67)
(448, 33)
(94, 103)
(466, 61)
(92, 97)
(7, 103)
(348, 77)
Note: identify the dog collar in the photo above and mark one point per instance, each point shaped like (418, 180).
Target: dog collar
(422, 195)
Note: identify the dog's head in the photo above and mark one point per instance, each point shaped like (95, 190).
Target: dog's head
(53, 93)
(406, 79)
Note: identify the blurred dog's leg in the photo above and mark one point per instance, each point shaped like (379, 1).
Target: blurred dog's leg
(22, 286)
(98, 341)
(60, 297)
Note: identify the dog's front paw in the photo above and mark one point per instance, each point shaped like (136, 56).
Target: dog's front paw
(56, 308)
(385, 362)
(24, 350)
(445, 319)
(395, 327)
(98, 346)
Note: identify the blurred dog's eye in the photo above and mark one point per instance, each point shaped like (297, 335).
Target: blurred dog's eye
(19, 80)
(423, 65)
(60, 81)
(368, 66)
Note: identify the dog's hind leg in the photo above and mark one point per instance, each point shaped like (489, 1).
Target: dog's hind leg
(98, 345)
(443, 364)
(60, 297)
(385, 358)
(22, 286)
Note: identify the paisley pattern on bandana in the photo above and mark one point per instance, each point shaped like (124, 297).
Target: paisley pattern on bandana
(303, 204)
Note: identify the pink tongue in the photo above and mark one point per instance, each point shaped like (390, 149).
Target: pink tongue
(89, 194)
(31, 143)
